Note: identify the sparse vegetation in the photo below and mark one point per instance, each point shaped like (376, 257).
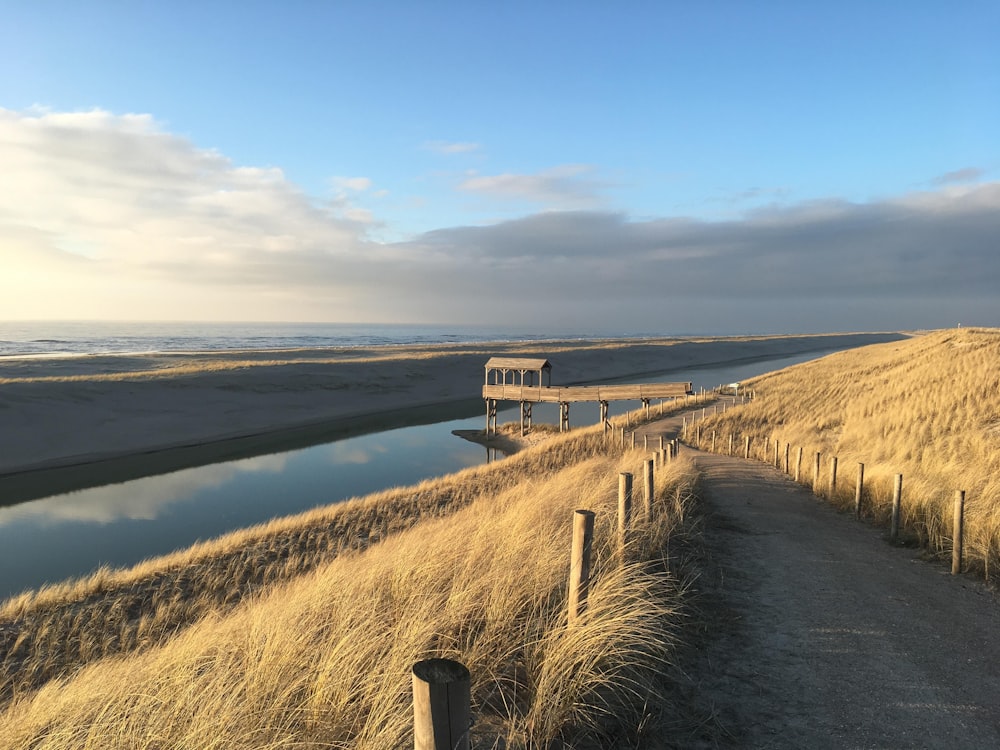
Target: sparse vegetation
(927, 408)
(301, 633)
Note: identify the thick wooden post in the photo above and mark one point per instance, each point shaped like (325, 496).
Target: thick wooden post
(623, 438)
(648, 487)
(777, 447)
(859, 489)
(633, 441)
(897, 496)
(624, 508)
(788, 448)
(661, 442)
(798, 464)
(713, 441)
(816, 474)
(579, 564)
(957, 530)
(746, 448)
(731, 437)
(833, 475)
(442, 705)
(645, 442)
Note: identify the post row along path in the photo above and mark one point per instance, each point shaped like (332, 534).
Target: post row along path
(820, 634)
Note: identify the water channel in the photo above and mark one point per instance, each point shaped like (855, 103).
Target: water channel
(72, 534)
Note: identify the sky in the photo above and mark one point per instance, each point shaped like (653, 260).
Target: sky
(772, 167)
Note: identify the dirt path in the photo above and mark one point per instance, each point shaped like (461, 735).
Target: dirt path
(822, 635)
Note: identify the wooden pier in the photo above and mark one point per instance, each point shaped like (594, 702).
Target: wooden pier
(522, 387)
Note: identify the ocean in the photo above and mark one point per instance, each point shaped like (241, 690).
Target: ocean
(68, 338)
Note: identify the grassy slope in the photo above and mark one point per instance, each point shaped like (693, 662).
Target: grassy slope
(927, 408)
(285, 636)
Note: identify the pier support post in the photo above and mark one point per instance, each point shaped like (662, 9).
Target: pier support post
(491, 417)
(564, 416)
(604, 416)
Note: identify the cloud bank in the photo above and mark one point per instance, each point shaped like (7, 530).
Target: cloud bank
(111, 216)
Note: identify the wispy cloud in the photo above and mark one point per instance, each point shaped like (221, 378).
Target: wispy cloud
(959, 176)
(565, 186)
(452, 147)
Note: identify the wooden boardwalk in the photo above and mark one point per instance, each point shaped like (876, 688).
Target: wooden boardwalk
(565, 395)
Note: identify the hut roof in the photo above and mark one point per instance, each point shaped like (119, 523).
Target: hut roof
(517, 363)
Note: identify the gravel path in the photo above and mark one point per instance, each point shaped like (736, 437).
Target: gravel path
(822, 635)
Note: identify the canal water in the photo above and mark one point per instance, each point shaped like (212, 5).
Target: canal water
(72, 534)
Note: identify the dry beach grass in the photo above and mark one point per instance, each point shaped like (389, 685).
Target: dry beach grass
(301, 632)
(927, 408)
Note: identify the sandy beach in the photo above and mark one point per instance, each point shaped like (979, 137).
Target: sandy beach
(63, 421)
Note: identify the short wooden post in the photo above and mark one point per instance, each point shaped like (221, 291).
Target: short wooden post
(897, 496)
(442, 705)
(788, 447)
(816, 474)
(698, 437)
(798, 464)
(731, 438)
(957, 529)
(624, 508)
(833, 475)
(684, 428)
(777, 446)
(859, 489)
(647, 508)
(713, 441)
(645, 442)
(633, 441)
(661, 442)
(746, 448)
(623, 437)
(579, 565)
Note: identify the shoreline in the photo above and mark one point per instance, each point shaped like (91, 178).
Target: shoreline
(66, 423)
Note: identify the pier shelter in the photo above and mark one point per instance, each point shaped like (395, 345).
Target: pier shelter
(521, 379)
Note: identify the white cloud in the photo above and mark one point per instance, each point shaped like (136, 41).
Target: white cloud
(964, 175)
(354, 184)
(452, 147)
(564, 187)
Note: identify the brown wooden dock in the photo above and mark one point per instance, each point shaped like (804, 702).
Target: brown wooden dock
(522, 387)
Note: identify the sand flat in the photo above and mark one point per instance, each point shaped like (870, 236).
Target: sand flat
(57, 412)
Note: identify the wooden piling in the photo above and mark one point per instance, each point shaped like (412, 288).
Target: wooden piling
(788, 448)
(731, 438)
(957, 530)
(579, 566)
(897, 495)
(649, 488)
(442, 705)
(816, 474)
(833, 475)
(798, 464)
(859, 489)
(746, 448)
(624, 508)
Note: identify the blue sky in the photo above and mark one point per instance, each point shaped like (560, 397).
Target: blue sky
(344, 161)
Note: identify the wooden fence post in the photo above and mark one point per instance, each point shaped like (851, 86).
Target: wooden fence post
(897, 495)
(442, 705)
(816, 474)
(746, 448)
(788, 447)
(648, 486)
(798, 465)
(777, 446)
(957, 529)
(833, 475)
(624, 509)
(731, 437)
(713, 441)
(579, 565)
(859, 490)
(633, 440)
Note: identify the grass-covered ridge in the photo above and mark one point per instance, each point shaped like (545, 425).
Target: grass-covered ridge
(927, 408)
(301, 633)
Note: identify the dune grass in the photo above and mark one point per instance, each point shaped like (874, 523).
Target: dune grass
(321, 658)
(927, 408)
